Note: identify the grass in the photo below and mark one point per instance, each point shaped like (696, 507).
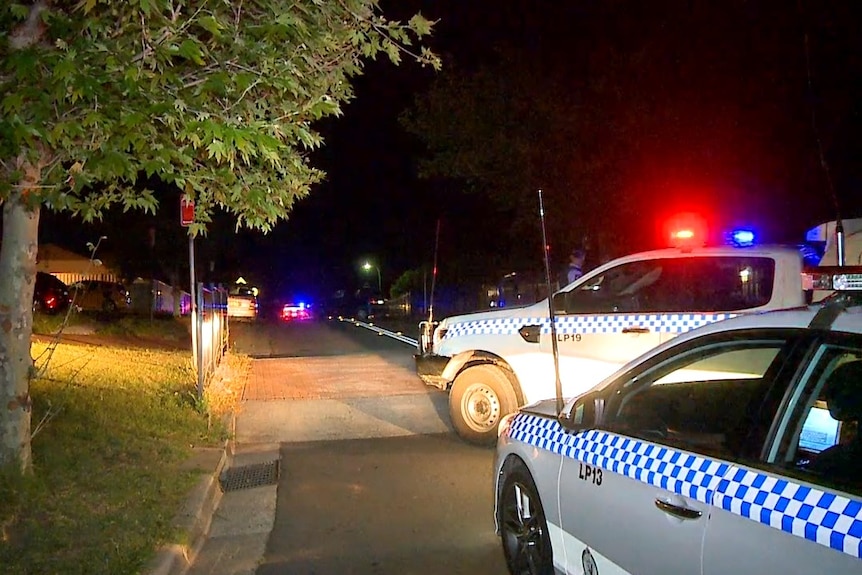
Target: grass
(168, 329)
(112, 428)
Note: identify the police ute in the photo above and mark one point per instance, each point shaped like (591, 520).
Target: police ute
(494, 361)
(733, 448)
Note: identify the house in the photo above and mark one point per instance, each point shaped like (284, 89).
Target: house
(70, 267)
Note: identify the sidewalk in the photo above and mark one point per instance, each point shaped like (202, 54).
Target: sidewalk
(226, 519)
(227, 525)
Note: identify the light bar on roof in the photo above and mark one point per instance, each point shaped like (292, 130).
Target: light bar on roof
(845, 282)
(833, 278)
(741, 237)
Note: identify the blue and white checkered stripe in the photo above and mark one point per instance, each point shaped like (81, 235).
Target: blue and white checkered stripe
(572, 324)
(826, 518)
(684, 473)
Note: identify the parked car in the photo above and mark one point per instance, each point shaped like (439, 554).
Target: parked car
(50, 295)
(732, 448)
(242, 304)
(362, 304)
(102, 296)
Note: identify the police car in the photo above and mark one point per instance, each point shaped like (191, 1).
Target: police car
(492, 362)
(734, 448)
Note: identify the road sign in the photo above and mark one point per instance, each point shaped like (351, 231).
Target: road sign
(187, 211)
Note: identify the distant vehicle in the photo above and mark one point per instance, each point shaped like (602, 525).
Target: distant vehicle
(295, 312)
(102, 296)
(50, 295)
(731, 448)
(362, 304)
(242, 303)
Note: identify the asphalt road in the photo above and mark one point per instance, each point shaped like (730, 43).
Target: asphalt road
(372, 478)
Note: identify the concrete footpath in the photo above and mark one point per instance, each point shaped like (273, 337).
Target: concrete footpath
(230, 514)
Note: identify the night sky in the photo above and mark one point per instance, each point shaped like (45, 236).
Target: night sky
(747, 110)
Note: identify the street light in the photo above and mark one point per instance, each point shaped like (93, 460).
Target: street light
(367, 266)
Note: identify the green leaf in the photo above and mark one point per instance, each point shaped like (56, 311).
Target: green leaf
(211, 25)
(420, 25)
(19, 11)
(217, 150)
(190, 49)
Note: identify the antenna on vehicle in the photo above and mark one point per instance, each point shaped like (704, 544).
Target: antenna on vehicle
(558, 385)
(839, 226)
(426, 328)
(434, 274)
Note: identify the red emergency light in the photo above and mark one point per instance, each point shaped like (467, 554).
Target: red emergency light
(686, 231)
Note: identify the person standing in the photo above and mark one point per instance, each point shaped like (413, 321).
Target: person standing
(576, 265)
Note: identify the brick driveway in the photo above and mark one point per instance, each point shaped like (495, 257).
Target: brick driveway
(330, 377)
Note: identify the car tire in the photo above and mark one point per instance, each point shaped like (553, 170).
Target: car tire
(109, 306)
(523, 526)
(361, 314)
(480, 396)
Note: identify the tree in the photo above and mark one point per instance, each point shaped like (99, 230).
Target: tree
(217, 98)
(505, 129)
(624, 112)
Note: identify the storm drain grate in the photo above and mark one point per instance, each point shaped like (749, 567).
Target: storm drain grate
(248, 476)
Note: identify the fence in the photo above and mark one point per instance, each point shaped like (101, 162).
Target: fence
(209, 333)
(158, 298)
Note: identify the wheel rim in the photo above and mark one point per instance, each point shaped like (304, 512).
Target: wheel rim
(481, 408)
(523, 532)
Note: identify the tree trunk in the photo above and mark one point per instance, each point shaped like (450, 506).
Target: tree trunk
(18, 270)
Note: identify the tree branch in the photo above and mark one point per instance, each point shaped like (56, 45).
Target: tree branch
(32, 30)
(383, 32)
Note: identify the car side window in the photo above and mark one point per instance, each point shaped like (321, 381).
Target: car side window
(706, 399)
(728, 283)
(818, 438)
(616, 290)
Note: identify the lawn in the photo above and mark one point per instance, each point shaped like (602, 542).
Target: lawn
(113, 427)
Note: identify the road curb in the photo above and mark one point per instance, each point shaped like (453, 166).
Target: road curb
(195, 518)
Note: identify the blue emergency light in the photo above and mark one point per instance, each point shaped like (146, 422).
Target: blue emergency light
(741, 238)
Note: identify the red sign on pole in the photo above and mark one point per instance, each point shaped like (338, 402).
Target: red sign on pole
(187, 211)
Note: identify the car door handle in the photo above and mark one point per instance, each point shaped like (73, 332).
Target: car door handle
(677, 511)
(635, 329)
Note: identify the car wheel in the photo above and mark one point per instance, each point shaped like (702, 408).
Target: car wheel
(480, 396)
(523, 527)
(361, 314)
(109, 306)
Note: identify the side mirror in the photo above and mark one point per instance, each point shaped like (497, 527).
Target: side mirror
(586, 412)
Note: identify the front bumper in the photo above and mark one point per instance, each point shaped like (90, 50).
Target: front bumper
(429, 368)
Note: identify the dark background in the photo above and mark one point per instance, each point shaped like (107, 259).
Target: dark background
(748, 110)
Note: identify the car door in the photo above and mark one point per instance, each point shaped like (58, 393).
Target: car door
(796, 513)
(602, 323)
(635, 496)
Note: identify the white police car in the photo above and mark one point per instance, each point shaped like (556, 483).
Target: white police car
(495, 361)
(733, 448)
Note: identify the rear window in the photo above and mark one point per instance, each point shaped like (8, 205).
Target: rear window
(707, 284)
(46, 281)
